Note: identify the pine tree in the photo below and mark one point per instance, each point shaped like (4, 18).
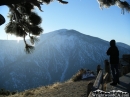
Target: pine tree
(25, 22)
(121, 4)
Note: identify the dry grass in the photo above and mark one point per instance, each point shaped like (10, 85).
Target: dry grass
(66, 89)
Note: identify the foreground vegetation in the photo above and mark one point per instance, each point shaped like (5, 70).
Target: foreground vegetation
(66, 89)
(75, 87)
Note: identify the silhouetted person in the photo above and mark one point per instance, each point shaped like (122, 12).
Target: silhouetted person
(114, 61)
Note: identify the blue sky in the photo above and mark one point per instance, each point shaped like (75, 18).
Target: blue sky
(84, 16)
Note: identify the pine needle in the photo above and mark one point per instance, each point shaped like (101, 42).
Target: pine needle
(29, 49)
(33, 39)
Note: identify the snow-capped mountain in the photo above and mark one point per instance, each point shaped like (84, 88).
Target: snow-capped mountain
(123, 45)
(57, 57)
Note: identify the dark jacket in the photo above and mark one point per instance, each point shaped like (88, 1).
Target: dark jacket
(113, 52)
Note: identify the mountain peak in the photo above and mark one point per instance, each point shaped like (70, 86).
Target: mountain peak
(57, 56)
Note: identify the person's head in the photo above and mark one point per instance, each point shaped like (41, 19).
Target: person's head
(112, 43)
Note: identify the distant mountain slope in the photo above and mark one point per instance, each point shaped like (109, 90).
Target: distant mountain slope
(123, 45)
(57, 56)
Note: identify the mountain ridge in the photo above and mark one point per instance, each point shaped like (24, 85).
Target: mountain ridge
(57, 57)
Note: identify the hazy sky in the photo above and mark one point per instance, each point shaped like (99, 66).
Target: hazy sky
(84, 16)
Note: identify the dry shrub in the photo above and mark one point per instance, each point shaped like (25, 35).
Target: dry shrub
(28, 93)
(55, 85)
(78, 75)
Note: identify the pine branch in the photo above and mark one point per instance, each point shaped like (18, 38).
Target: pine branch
(63, 2)
(35, 30)
(9, 2)
(36, 3)
(33, 39)
(29, 49)
(121, 4)
(35, 19)
(46, 1)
